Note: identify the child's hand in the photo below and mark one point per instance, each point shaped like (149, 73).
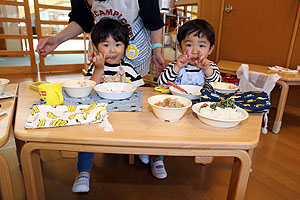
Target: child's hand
(182, 61)
(202, 62)
(99, 61)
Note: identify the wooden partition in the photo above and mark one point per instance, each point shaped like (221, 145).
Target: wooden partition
(25, 35)
(41, 34)
(254, 31)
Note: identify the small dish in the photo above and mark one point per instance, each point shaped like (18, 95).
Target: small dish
(78, 88)
(221, 123)
(192, 90)
(115, 91)
(224, 87)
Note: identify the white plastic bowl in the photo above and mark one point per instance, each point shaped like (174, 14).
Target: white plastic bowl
(224, 87)
(3, 83)
(193, 89)
(115, 91)
(169, 114)
(78, 88)
(221, 123)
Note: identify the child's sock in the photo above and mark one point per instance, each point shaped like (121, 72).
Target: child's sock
(157, 167)
(82, 182)
(144, 158)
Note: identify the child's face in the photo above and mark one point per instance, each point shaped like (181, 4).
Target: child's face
(113, 50)
(192, 45)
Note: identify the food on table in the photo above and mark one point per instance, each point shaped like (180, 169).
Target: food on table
(120, 76)
(224, 109)
(224, 86)
(170, 103)
(116, 90)
(82, 84)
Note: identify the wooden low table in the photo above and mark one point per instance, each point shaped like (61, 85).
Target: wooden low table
(137, 133)
(285, 81)
(7, 105)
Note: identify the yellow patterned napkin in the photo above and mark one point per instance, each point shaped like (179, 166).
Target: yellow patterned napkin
(45, 116)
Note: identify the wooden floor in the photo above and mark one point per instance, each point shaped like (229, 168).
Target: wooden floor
(275, 171)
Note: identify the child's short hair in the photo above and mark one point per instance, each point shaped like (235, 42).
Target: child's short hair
(198, 26)
(109, 27)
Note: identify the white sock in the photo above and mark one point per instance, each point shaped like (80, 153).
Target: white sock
(144, 158)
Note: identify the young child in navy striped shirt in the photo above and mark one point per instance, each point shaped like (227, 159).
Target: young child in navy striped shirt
(110, 40)
(196, 40)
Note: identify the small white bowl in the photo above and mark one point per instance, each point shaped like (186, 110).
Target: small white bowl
(224, 87)
(3, 83)
(115, 91)
(78, 88)
(169, 114)
(193, 89)
(221, 123)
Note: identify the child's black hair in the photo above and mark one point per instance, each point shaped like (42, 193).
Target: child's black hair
(198, 26)
(109, 27)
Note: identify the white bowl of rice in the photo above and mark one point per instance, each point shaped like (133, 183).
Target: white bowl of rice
(169, 108)
(219, 117)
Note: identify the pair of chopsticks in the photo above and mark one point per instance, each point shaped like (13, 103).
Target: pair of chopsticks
(179, 88)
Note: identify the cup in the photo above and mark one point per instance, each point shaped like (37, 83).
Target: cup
(51, 93)
(3, 83)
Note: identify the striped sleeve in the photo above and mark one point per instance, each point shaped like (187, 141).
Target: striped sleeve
(216, 76)
(168, 74)
(132, 75)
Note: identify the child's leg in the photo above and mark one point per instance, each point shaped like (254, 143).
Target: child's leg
(84, 166)
(84, 162)
(144, 158)
(157, 167)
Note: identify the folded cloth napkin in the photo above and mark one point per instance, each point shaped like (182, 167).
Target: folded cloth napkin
(45, 116)
(282, 69)
(251, 101)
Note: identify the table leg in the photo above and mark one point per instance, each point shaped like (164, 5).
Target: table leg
(239, 177)
(6, 186)
(34, 181)
(281, 106)
(32, 172)
(131, 159)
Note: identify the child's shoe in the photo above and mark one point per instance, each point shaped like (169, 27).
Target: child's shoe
(145, 159)
(82, 182)
(158, 168)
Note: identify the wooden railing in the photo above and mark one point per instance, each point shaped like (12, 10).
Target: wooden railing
(25, 36)
(60, 67)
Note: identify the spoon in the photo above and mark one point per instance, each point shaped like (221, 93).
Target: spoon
(179, 88)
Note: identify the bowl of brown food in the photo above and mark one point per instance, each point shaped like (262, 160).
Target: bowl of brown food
(169, 107)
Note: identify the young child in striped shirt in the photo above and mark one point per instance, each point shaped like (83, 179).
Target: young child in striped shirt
(196, 40)
(110, 40)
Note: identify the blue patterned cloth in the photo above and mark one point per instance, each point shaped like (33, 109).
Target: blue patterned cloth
(131, 104)
(251, 101)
